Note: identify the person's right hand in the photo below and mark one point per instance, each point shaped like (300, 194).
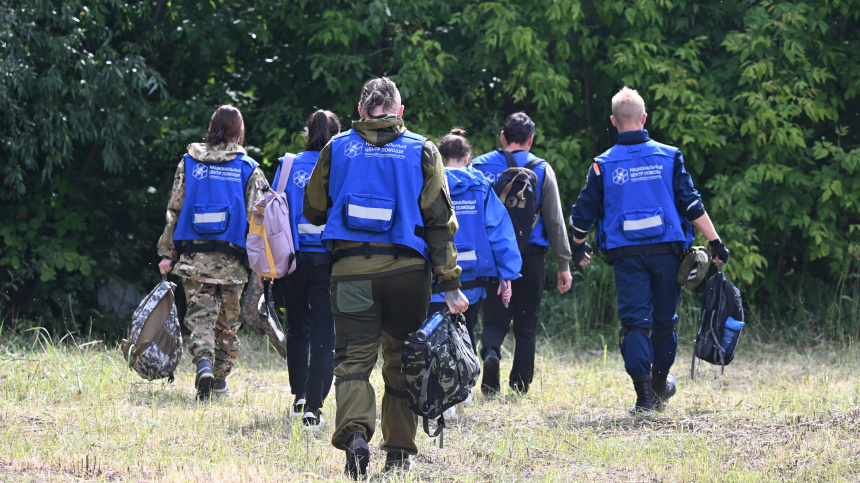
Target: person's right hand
(580, 253)
(165, 266)
(506, 291)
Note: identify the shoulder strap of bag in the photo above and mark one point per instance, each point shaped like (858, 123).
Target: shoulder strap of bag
(533, 163)
(512, 163)
(286, 167)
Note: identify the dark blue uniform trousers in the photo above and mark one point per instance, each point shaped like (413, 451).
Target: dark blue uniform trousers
(648, 298)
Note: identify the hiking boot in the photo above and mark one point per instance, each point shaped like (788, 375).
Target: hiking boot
(312, 418)
(397, 461)
(664, 386)
(490, 384)
(298, 409)
(644, 397)
(357, 456)
(219, 389)
(205, 381)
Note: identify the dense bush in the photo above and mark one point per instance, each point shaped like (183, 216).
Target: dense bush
(99, 100)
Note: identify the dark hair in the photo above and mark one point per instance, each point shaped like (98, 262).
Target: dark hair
(226, 126)
(322, 126)
(454, 146)
(518, 128)
(379, 92)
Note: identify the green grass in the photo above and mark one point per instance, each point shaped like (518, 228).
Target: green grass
(778, 414)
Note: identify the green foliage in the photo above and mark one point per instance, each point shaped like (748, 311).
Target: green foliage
(761, 97)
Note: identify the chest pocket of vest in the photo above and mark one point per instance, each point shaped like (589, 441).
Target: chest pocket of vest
(368, 212)
(642, 224)
(210, 219)
(467, 257)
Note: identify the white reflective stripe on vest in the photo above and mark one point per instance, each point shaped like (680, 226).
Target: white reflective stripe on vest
(469, 256)
(210, 217)
(310, 229)
(642, 224)
(367, 213)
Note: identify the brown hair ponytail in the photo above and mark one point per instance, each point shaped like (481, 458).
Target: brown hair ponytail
(322, 126)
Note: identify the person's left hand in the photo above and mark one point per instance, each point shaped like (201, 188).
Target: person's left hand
(564, 280)
(506, 291)
(457, 302)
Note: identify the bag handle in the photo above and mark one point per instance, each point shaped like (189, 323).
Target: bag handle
(286, 167)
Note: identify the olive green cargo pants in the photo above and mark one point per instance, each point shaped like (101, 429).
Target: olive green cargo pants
(369, 314)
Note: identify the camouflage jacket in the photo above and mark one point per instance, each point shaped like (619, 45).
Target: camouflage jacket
(205, 267)
(440, 223)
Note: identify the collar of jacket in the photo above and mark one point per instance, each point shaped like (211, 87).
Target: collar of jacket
(380, 130)
(632, 137)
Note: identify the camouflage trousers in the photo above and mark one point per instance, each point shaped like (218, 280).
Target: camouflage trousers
(213, 319)
(369, 315)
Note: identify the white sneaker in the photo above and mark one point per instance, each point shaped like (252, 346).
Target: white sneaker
(468, 401)
(298, 409)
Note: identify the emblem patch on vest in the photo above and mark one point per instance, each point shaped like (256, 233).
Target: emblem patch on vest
(301, 178)
(200, 171)
(353, 149)
(620, 176)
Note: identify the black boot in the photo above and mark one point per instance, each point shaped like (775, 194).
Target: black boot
(490, 385)
(664, 387)
(357, 456)
(644, 396)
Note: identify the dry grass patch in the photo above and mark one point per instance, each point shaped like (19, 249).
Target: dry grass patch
(70, 414)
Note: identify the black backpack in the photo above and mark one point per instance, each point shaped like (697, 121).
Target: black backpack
(517, 188)
(721, 304)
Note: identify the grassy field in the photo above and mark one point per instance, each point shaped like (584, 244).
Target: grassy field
(74, 412)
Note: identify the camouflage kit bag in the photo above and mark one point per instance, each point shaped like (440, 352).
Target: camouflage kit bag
(440, 370)
(154, 346)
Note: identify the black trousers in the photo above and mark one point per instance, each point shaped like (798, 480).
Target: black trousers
(523, 310)
(471, 318)
(310, 331)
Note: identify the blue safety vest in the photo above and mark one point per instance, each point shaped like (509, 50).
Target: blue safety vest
(494, 163)
(638, 196)
(214, 205)
(309, 236)
(375, 191)
(473, 197)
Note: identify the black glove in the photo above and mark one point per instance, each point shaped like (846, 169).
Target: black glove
(718, 250)
(578, 251)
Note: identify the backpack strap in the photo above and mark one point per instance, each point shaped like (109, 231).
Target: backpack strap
(509, 156)
(286, 167)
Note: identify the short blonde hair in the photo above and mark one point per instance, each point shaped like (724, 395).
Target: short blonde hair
(627, 106)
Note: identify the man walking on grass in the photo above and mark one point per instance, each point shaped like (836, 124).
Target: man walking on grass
(644, 203)
(549, 231)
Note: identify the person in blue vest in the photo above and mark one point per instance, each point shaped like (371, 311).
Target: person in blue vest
(549, 232)
(486, 244)
(380, 190)
(207, 222)
(644, 203)
(310, 327)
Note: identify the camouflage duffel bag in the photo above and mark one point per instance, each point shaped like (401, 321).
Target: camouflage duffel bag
(440, 370)
(154, 346)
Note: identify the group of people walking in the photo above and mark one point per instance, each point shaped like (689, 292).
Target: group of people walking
(389, 228)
